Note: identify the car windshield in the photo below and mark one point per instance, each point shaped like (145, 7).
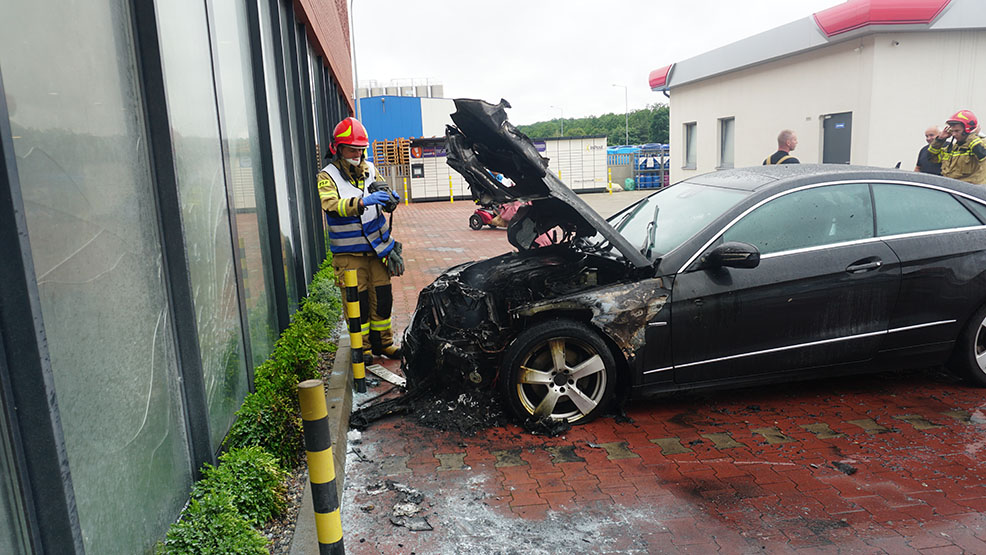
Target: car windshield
(664, 220)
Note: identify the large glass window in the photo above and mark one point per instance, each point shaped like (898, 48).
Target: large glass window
(908, 209)
(80, 145)
(295, 127)
(205, 211)
(809, 218)
(277, 130)
(246, 175)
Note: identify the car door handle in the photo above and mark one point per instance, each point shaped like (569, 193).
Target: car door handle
(861, 266)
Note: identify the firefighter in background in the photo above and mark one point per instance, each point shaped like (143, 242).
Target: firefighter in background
(355, 201)
(964, 157)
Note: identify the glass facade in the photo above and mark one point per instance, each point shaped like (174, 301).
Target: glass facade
(13, 536)
(242, 147)
(80, 142)
(205, 212)
(296, 129)
(140, 369)
(281, 158)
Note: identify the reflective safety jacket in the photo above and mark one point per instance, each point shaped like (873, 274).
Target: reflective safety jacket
(352, 231)
(965, 161)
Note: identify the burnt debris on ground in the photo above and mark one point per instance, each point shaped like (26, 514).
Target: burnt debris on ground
(436, 404)
(406, 508)
(452, 407)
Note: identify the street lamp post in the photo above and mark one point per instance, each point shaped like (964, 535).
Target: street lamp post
(561, 119)
(626, 114)
(352, 40)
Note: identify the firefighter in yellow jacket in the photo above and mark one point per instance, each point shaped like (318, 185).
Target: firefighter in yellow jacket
(355, 201)
(964, 157)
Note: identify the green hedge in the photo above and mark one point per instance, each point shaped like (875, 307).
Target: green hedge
(247, 489)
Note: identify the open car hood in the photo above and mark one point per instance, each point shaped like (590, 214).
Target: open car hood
(483, 138)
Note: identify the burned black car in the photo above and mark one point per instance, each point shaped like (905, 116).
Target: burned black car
(732, 278)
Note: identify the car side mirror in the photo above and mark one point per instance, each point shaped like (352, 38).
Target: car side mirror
(733, 254)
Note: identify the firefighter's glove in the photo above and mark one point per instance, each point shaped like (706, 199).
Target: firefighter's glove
(394, 260)
(379, 198)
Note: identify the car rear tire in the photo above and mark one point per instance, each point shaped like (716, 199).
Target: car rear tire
(558, 369)
(969, 358)
(475, 222)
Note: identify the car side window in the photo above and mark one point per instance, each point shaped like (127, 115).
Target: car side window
(809, 218)
(910, 209)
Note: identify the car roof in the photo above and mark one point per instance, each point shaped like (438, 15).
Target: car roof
(763, 179)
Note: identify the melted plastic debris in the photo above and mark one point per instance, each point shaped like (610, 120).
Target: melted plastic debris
(406, 508)
(447, 406)
(846, 469)
(547, 427)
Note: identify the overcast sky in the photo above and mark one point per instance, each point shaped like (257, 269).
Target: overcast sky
(543, 53)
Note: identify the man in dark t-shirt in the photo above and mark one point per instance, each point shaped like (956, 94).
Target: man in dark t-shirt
(924, 164)
(786, 142)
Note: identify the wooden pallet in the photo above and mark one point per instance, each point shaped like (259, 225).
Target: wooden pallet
(391, 153)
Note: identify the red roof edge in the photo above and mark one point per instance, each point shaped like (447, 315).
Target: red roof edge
(659, 78)
(855, 14)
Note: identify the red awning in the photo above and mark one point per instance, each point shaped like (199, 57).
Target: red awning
(855, 14)
(659, 78)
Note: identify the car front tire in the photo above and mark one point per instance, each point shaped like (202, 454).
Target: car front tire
(969, 358)
(558, 369)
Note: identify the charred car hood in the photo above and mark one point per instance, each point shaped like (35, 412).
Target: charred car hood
(482, 139)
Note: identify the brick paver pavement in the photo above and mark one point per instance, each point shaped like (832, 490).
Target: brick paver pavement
(889, 463)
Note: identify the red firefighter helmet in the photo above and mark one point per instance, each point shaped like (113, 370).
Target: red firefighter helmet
(349, 132)
(966, 118)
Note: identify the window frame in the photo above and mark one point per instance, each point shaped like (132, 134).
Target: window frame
(718, 235)
(722, 164)
(690, 134)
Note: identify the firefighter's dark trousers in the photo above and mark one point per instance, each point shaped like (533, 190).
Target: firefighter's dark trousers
(376, 299)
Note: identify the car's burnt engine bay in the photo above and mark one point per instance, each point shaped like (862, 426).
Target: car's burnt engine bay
(466, 319)
(468, 316)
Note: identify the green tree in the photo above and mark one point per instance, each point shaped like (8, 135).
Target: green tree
(647, 125)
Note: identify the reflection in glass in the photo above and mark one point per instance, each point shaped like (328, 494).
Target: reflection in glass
(297, 132)
(243, 148)
(205, 213)
(80, 145)
(13, 529)
(274, 102)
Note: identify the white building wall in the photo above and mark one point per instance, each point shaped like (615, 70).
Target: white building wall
(919, 80)
(435, 115)
(893, 91)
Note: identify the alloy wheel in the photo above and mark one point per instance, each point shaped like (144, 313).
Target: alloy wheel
(562, 378)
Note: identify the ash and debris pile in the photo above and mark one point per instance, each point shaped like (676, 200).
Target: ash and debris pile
(406, 509)
(442, 405)
(451, 406)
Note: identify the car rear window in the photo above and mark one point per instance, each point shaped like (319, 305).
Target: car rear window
(910, 209)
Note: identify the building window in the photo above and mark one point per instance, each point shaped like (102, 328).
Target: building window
(726, 126)
(691, 146)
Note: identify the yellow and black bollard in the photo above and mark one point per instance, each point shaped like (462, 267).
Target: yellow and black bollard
(355, 329)
(321, 468)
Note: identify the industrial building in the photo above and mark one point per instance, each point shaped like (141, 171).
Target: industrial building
(859, 83)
